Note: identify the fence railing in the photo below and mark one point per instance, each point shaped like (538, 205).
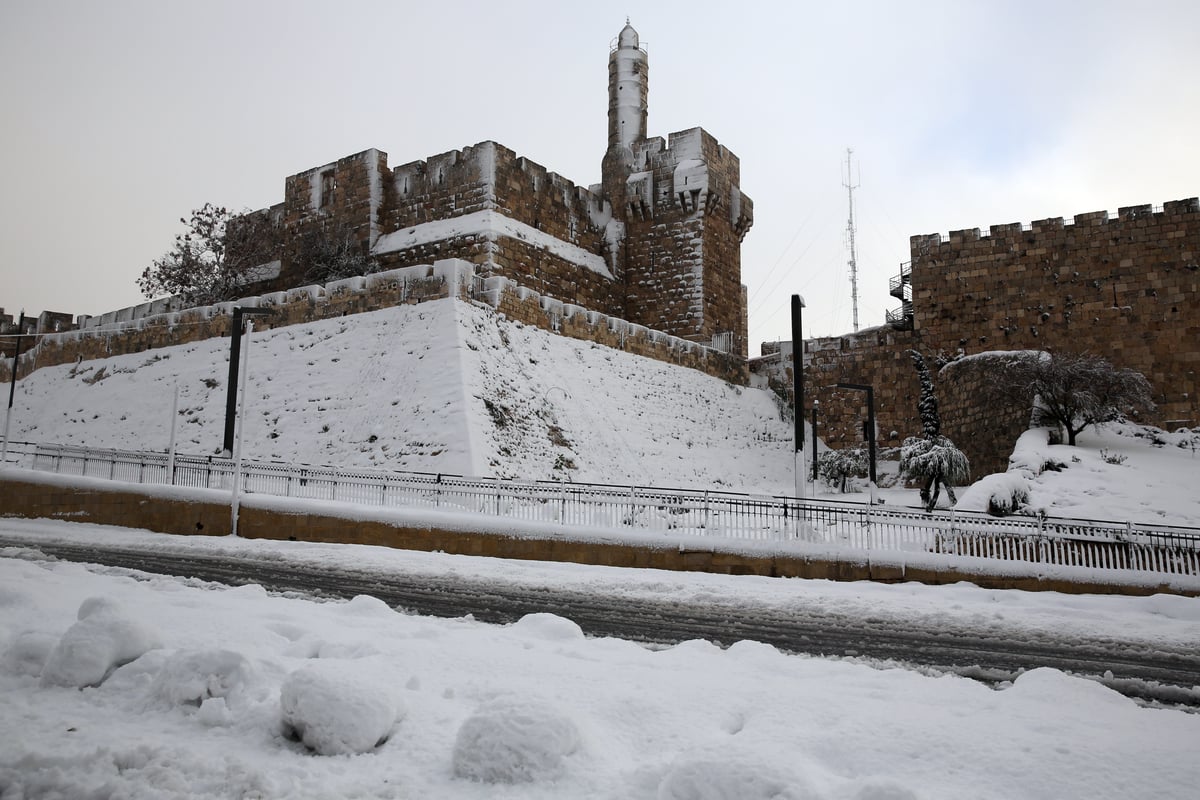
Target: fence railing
(1161, 549)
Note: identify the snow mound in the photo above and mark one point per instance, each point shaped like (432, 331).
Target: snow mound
(550, 627)
(1001, 493)
(26, 653)
(336, 709)
(514, 741)
(364, 605)
(1059, 690)
(103, 638)
(192, 677)
(1031, 453)
(724, 779)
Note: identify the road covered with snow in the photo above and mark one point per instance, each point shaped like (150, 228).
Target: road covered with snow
(129, 684)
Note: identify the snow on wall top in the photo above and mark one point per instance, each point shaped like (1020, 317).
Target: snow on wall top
(489, 223)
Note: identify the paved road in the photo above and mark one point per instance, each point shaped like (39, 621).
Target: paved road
(1150, 672)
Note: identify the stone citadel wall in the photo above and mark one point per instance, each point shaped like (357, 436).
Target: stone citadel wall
(451, 277)
(483, 204)
(1126, 288)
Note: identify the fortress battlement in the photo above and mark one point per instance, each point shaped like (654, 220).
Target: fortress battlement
(1127, 217)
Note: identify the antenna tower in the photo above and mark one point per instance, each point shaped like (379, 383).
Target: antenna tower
(850, 187)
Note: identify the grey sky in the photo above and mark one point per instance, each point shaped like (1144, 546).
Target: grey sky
(120, 117)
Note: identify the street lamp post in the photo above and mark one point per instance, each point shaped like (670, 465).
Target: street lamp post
(870, 431)
(798, 390)
(12, 388)
(235, 350)
(241, 428)
(816, 404)
(235, 357)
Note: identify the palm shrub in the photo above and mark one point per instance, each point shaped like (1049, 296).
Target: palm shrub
(932, 459)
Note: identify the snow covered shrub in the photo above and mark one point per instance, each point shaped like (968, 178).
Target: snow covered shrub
(933, 461)
(723, 779)
(1000, 494)
(836, 466)
(336, 709)
(514, 741)
(103, 639)
(1116, 459)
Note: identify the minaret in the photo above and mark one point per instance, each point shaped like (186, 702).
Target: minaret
(628, 86)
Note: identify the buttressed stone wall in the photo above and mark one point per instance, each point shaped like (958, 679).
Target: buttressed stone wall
(157, 328)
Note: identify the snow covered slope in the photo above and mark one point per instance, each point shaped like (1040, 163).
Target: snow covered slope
(442, 386)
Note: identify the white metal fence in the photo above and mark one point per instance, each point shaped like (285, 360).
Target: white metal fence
(1165, 550)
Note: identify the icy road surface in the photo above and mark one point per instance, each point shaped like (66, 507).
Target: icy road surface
(793, 615)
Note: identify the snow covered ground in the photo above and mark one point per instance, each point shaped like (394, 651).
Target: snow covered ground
(119, 684)
(122, 685)
(443, 386)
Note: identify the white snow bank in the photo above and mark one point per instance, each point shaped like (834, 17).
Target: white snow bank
(549, 627)
(104, 638)
(1031, 453)
(336, 709)
(511, 740)
(1057, 689)
(26, 653)
(193, 677)
(645, 716)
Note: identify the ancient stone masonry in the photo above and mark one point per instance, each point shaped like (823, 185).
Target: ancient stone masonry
(655, 245)
(1126, 288)
(450, 278)
(657, 241)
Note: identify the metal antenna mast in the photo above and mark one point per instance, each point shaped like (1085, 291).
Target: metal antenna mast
(850, 187)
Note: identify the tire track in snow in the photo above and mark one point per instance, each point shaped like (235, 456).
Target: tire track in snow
(1151, 671)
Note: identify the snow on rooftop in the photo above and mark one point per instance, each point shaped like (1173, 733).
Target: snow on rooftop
(489, 224)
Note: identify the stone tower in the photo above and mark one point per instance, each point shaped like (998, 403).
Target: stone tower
(628, 87)
(678, 215)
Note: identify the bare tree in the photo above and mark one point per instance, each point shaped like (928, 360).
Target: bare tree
(330, 254)
(214, 259)
(931, 457)
(1074, 390)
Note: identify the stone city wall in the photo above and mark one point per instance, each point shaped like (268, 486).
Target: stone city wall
(522, 305)
(1126, 288)
(372, 292)
(305, 304)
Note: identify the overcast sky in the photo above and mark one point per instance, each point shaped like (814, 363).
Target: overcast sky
(120, 117)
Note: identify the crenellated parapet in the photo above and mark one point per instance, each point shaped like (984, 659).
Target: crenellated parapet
(685, 217)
